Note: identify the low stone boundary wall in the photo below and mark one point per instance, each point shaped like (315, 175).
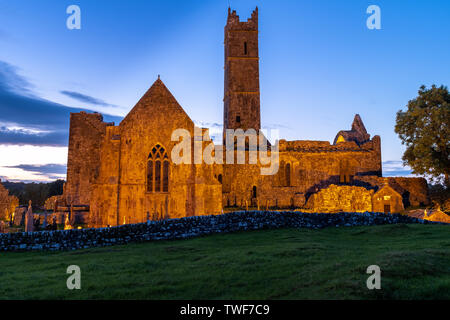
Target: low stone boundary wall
(192, 227)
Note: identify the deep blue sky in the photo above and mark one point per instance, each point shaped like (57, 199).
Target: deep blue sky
(319, 65)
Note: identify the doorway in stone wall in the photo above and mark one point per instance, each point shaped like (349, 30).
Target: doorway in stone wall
(387, 208)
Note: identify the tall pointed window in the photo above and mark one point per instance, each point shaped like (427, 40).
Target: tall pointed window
(158, 170)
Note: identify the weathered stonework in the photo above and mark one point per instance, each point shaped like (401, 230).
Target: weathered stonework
(108, 165)
(341, 199)
(119, 192)
(414, 191)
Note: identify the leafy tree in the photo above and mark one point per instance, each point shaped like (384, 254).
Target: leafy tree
(425, 130)
(55, 188)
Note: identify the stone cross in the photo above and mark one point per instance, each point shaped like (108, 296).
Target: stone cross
(29, 227)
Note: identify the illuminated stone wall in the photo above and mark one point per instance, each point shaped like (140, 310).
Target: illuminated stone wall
(120, 194)
(107, 164)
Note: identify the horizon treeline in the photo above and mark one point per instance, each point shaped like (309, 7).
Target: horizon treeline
(36, 192)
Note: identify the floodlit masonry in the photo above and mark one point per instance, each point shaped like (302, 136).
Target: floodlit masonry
(125, 174)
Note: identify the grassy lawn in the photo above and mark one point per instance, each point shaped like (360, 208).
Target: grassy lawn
(269, 264)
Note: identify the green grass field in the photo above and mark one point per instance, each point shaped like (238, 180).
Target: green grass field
(269, 264)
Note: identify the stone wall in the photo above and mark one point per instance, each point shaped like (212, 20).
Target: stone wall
(414, 191)
(341, 199)
(305, 167)
(120, 192)
(191, 227)
(86, 134)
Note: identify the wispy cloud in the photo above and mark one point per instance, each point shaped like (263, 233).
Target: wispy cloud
(394, 168)
(215, 130)
(11, 81)
(271, 130)
(271, 126)
(86, 99)
(51, 169)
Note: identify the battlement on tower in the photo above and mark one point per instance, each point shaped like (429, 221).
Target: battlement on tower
(234, 23)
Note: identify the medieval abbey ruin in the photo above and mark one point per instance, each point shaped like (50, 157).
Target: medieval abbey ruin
(124, 173)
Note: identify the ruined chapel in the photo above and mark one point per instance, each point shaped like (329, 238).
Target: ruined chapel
(124, 173)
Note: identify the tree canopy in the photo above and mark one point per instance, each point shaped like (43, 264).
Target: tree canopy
(36, 192)
(424, 128)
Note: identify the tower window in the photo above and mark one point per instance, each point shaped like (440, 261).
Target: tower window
(238, 119)
(245, 48)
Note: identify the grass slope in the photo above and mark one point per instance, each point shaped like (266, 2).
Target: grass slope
(269, 264)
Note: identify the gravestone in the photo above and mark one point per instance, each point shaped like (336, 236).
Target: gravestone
(29, 219)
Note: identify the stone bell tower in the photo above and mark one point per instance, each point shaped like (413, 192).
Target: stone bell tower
(241, 88)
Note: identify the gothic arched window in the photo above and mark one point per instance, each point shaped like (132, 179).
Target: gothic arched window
(158, 170)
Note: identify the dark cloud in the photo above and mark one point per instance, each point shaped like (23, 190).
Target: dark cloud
(24, 137)
(45, 170)
(86, 99)
(11, 81)
(19, 106)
